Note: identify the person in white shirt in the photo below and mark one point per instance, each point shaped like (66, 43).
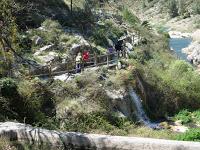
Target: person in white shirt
(78, 62)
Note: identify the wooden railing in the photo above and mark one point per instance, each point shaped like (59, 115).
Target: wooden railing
(109, 60)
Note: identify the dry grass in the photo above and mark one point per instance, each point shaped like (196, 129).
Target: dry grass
(6, 145)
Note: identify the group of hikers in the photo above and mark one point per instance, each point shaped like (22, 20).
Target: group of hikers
(80, 58)
(84, 57)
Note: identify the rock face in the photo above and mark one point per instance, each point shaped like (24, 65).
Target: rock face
(45, 48)
(177, 34)
(193, 52)
(71, 140)
(196, 35)
(37, 40)
(81, 46)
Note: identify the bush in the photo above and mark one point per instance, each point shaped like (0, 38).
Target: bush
(109, 30)
(196, 7)
(191, 135)
(184, 116)
(130, 17)
(182, 7)
(173, 9)
(101, 121)
(8, 87)
(196, 116)
(38, 101)
(50, 24)
(27, 100)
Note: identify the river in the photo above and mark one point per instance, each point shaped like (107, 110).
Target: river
(177, 44)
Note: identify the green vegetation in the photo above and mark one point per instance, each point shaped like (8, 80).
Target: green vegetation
(28, 101)
(82, 104)
(196, 7)
(186, 116)
(102, 33)
(191, 135)
(173, 9)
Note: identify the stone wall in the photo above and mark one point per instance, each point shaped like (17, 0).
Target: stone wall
(72, 140)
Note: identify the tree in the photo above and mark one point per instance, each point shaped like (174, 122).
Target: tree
(8, 34)
(196, 7)
(173, 9)
(182, 7)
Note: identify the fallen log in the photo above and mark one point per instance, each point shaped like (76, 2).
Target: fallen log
(72, 140)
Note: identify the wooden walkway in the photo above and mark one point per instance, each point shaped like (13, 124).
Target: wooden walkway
(110, 60)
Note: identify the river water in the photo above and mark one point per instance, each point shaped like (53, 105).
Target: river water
(177, 44)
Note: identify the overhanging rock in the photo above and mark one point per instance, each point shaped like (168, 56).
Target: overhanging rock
(72, 140)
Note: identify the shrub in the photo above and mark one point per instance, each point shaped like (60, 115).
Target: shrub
(102, 121)
(173, 9)
(196, 7)
(50, 24)
(182, 7)
(38, 101)
(130, 17)
(191, 135)
(196, 116)
(184, 116)
(8, 87)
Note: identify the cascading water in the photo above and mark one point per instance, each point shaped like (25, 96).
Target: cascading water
(141, 115)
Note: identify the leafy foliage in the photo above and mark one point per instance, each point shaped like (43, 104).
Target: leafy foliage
(191, 135)
(31, 101)
(173, 9)
(8, 36)
(196, 7)
(184, 116)
(130, 17)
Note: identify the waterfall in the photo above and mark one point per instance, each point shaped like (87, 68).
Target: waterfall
(141, 115)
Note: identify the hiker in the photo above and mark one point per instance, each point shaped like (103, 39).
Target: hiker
(85, 56)
(119, 47)
(111, 53)
(128, 49)
(110, 50)
(78, 62)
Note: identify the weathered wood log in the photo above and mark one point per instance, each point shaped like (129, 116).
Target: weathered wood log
(71, 140)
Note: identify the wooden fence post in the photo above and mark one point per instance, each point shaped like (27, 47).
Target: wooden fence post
(67, 70)
(107, 60)
(95, 59)
(50, 71)
(117, 59)
(82, 65)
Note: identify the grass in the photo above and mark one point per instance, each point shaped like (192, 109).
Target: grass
(6, 145)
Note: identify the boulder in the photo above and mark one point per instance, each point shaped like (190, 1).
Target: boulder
(177, 34)
(79, 47)
(193, 52)
(37, 40)
(45, 48)
(196, 35)
(51, 57)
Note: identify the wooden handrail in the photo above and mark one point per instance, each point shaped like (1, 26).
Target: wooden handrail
(92, 62)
